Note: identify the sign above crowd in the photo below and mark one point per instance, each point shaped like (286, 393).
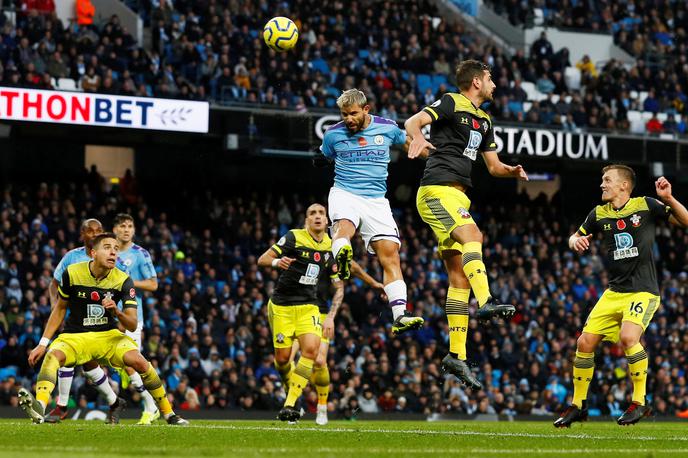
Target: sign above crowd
(101, 110)
(531, 142)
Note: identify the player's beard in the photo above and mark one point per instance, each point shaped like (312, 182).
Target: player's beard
(487, 95)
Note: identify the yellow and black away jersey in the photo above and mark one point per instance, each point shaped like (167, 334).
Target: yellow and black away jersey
(85, 296)
(459, 131)
(628, 236)
(298, 285)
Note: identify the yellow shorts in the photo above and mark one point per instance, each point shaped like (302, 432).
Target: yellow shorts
(444, 208)
(613, 308)
(290, 321)
(106, 347)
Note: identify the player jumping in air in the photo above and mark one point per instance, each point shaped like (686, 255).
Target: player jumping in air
(359, 145)
(460, 130)
(627, 228)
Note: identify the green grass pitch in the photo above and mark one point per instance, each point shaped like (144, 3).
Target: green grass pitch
(341, 439)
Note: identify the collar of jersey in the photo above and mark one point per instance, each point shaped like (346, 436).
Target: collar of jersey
(94, 277)
(469, 101)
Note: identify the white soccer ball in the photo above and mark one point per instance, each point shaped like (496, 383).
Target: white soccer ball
(280, 33)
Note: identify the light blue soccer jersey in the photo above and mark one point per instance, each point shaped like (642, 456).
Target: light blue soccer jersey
(137, 263)
(74, 256)
(361, 159)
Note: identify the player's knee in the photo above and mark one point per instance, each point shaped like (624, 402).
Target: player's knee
(89, 366)
(281, 358)
(585, 344)
(628, 340)
(139, 364)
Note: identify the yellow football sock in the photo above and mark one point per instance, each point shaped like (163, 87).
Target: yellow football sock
(321, 380)
(298, 380)
(474, 268)
(153, 384)
(285, 371)
(47, 377)
(583, 368)
(457, 317)
(637, 366)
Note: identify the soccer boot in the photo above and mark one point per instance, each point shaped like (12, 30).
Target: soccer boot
(56, 415)
(31, 407)
(147, 418)
(406, 322)
(176, 420)
(493, 309)
(461, 370)
(289, 414)
(344, 257)
(571, 414)
(321, 416)
(634, 414)
(115, 412)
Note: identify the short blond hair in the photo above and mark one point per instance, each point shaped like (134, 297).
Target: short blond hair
(352, 97)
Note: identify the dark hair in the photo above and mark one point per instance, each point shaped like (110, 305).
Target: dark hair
(122, 217)
(625, 171)
(467, 70)
(87, 222)
(100, 237)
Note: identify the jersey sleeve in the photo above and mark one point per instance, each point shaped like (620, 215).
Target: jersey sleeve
(146, 267)
(128, 294)
(658, 210)
(398, 136)
(327, 147)
(331, 269)
(441, 109)
(589, 226)
(286, 245)
(61, 268)
(64, 286)
(488, 144)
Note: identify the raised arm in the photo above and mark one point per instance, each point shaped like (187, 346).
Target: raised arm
(679, 214)
(418, 146)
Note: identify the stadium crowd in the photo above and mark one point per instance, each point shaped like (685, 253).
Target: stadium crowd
(400, 53)
(206, 328)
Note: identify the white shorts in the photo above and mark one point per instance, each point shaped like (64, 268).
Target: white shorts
(372, 217)
(136, 334)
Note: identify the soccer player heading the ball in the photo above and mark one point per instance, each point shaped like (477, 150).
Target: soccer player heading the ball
(460, 130)
(359, 145)
(627, 228)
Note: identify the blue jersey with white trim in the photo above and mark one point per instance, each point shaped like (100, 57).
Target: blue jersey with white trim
(139, 266)
(74, 256)
(361, 158)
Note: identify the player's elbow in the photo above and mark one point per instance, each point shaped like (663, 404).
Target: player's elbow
(130, 325)
(154, 285)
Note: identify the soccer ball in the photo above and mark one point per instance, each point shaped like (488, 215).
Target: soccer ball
(280, 34)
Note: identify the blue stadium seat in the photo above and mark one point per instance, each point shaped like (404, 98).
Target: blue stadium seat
(363, 53)
(424, 82)
(333, 91)
(437, 81)
(321, 66)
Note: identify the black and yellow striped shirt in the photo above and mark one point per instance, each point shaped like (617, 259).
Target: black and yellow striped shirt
(84, 294)
(628, 234)
(298, 285)
(460, 132)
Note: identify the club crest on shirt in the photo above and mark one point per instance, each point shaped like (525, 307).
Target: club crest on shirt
(635, 220)
(464, 213)
(485, 126)
(378, 140)
(327, 257)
